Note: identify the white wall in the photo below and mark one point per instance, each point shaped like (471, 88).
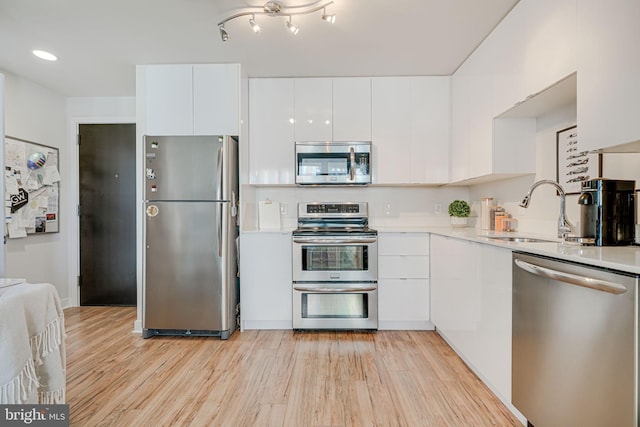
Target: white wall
(86, 111)
(38, 114)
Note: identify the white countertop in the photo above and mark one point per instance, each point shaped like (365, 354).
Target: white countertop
(621, 258)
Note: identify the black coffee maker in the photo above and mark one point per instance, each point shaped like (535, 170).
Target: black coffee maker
(607, 211)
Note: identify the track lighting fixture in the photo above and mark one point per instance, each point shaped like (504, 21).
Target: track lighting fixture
(276, 8)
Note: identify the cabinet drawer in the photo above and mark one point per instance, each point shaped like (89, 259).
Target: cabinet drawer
(403, 244)
(403, 267)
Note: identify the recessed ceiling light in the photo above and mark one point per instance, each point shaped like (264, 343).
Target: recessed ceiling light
(45, 55)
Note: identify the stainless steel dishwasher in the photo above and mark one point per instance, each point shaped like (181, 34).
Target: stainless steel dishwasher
(575, 344)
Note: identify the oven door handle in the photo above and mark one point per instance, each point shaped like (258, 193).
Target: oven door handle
(332, 241)
(333, 290)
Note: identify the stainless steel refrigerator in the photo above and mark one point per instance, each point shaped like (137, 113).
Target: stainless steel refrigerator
(190, 234)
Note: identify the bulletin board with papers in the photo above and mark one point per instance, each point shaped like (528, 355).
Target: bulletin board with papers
(32, 188)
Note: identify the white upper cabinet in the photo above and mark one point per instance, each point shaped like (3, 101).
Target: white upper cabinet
(216, 99)
(411, 129)
(608, 72)
(190, 99)
(472, 136)
(313, 109)
(352, 109)
(271, 131)
(430, 129)
(169, 100)
(391, 134)
(518, 64)
(534, 47)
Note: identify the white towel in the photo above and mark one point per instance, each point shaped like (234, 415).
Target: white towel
(32, 351)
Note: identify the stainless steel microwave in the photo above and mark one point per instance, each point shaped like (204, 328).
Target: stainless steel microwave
(333, 163)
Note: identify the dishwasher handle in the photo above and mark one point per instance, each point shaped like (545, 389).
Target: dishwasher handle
(587, 282)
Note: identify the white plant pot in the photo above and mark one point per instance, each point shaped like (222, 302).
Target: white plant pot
(457, 221)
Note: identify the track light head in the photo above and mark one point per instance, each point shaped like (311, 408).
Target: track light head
(223, 33)
(292, 28)
(331, 18)
(254, 25)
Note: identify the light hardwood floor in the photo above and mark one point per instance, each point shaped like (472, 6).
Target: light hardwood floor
(268, 378)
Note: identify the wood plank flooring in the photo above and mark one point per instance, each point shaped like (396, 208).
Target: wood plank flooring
(268, 378)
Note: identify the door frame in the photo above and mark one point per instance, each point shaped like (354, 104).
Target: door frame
(74, 199)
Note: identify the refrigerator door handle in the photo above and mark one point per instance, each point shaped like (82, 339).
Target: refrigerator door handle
(219, 177)
(219, 215)
(218, 199)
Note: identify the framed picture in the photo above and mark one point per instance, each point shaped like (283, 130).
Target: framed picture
(574, 165)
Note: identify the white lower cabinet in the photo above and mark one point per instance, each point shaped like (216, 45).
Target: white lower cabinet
(471, 306)
(403, 281)
(265, 280)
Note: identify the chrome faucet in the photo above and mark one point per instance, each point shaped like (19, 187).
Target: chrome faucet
(564, 226)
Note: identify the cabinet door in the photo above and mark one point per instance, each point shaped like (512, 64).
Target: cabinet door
(169, 100)
(265, 290)
(494, 324)
(472, 121)
(455, 292)
(271, 131)
(430, 129)
(313, 109)
(352, 109)
(608, 73)
(216, 99)
(391, 133)
(534, 48)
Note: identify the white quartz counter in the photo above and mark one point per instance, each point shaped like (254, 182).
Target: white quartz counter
(622, 258)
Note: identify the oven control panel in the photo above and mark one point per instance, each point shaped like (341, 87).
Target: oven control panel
(333, 210)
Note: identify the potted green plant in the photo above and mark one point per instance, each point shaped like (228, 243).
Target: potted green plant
(459, 211)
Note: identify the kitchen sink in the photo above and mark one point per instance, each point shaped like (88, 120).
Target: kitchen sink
(519, 239)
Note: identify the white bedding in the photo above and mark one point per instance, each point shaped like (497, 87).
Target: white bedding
(32, 351)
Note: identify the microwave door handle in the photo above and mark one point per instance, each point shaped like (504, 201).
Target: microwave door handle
(352, 158)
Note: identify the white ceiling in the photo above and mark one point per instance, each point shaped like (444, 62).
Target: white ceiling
(100, 42)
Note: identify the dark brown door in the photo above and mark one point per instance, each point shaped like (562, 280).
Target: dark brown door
(107, 169)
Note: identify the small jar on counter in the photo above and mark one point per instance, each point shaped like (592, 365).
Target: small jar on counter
(486, 213)
(510, 223)
(499, 215)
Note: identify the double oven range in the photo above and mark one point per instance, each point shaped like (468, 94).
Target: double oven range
(335, 267)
